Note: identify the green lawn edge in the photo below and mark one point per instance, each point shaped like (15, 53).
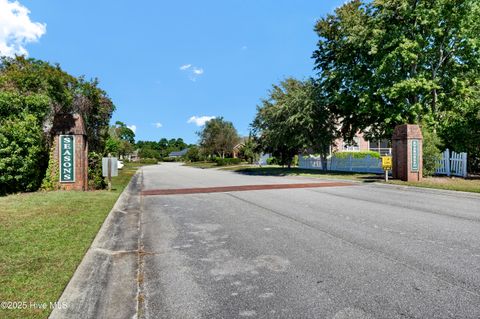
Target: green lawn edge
(44, 236)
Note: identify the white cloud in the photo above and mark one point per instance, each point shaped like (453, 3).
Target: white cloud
(197, 71)
(193, 71)
(133, 128)
(185, 67)
(200, 120)
(244, 48)
(158, 125)
(16, 28)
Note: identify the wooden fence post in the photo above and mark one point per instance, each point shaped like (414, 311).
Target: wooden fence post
(447, 162)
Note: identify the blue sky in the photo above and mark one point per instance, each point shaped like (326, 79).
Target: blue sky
(164, 63)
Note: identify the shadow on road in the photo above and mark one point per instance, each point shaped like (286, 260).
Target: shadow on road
(283, 171)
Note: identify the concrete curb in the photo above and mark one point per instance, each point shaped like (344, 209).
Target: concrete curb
(105, 283)
(428, 190)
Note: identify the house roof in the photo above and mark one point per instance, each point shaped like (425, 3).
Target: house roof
(179, 153)
(238, 146)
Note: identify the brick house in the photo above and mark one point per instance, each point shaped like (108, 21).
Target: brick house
(361, 144)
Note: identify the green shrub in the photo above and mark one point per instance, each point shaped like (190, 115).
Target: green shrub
(194, 154)
(23, 156)
(295, 160)
(95, 176)
(148, 161)
(361, 154)
(272, 161)
(171, 159)
(149, 153)
(50, 181)
(227, 161)
(431, 150)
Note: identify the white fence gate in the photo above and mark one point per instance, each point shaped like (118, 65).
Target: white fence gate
(452, 164)
(367, 164)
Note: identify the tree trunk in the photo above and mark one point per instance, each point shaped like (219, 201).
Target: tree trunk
(323, 158)
(434, 101)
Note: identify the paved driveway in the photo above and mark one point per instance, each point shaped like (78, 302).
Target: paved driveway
(361, 251)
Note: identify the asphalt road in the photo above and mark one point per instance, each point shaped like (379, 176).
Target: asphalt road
(361, 251)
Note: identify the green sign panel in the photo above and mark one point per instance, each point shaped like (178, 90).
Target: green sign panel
(67, 158)
(415, 156)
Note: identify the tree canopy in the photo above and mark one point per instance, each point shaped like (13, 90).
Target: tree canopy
(388, 62)
(382, 63)
(121, 140)
(32, 92)
(160, 149)
(218, 137)
(294, 118)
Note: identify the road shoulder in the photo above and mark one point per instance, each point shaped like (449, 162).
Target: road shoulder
(105, 283)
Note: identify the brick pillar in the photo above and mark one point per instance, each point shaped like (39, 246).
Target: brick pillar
(71, 125)
(407, 153)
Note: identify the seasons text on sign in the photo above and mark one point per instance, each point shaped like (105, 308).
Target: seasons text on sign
(67, 158)
(415, 156)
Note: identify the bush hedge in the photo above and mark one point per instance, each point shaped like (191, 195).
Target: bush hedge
(148, 161)
(227, 161)
(172, 159)
(355, 154)
(194, 155)
(95, 176)
(272, 161)
(431, 150)
(23, 155)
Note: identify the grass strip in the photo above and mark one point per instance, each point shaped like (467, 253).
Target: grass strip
(43, 237)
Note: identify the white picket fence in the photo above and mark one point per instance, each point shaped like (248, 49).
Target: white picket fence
(310, 162)
(367, 164)
(452, 164)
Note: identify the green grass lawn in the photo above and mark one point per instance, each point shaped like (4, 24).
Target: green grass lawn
(201, 164)
(448, 183)
(44, 236)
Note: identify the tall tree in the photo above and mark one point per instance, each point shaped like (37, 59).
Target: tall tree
(97, 108)
(388, 62)
(124, 133)
(121, 139)
(218, 137)
(32, 92)
(294, 118)
(249, 150)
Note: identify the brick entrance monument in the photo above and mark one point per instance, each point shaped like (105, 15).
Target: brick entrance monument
(407, 153)
(70, 151)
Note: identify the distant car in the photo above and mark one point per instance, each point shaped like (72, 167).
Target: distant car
(120, 164)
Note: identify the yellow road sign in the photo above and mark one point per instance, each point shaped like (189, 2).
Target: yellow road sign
(386, 162)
